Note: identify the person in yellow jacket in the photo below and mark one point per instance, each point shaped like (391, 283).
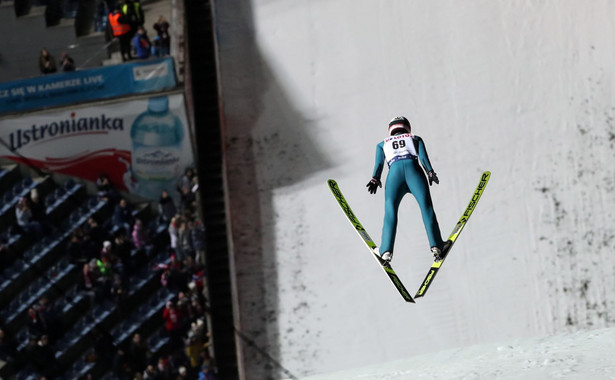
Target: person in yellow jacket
(121, 30)
(134, 15)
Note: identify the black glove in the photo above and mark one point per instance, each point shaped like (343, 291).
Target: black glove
(432, 177)
(373, 185)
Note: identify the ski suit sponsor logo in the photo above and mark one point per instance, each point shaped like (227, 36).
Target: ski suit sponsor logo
(397, 137)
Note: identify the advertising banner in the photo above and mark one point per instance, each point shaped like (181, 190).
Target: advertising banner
(87, 85)
(142, 145)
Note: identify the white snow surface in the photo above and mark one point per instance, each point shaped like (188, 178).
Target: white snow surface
(524, 89)
(580, 355)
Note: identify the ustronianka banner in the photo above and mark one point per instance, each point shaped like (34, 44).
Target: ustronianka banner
(87, 85)
(143, 146)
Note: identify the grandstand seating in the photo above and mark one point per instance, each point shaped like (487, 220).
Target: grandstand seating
(37, 269)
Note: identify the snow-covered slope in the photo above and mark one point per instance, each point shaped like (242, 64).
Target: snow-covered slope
(521, 88)
(580, 355)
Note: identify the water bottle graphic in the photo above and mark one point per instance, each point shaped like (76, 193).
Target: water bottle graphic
(157, 136)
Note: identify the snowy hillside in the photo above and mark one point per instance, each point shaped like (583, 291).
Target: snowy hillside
(521, 88)
(573, 356)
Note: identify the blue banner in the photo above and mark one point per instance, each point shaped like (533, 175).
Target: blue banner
(87, 85)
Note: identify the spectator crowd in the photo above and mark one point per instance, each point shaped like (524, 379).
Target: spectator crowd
(126, 22)
(182, 273)
(47, 63)
(108, 252)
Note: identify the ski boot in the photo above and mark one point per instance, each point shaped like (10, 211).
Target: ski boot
(440, 254)
(447, 247)
(437, 254)
(385, 258)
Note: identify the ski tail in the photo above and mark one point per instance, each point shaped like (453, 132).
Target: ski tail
(388, 269)
(350, 214)
(435, 267)
(471, 206)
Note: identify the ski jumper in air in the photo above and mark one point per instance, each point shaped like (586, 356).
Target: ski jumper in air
(405, 153)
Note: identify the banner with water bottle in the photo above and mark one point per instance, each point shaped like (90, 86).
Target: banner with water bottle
(87, 85)
(142, 145)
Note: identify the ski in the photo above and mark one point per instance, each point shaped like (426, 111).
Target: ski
(435, 267)
(388, 269)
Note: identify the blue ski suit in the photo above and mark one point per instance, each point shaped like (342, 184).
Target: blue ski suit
(405, 153)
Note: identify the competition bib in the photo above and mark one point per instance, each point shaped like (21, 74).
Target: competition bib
(399, 147)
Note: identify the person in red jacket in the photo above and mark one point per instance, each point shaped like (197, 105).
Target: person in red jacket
(172, 317)
(121, 30)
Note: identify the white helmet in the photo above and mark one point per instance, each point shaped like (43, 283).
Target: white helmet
(398, 123)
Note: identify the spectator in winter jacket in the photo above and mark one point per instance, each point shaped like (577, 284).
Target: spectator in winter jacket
(166, 207)
(133, 11)
(187, 203)
(122, 215)
(142, 44)
(104, 188)
(173, 324)
(184, 241)
(67, 63)
(139, 351)
(95, 235)
(162, 28)
(186, 180)
(39, 212)
(207, 373)
(198, 242)
(37, 325)
(23, 214)
(121, 29)
(46, 62)
(139, 235)
(173, 233)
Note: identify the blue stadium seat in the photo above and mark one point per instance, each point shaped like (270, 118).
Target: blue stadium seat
(17, 189)
(50, 199)
(60, 192)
